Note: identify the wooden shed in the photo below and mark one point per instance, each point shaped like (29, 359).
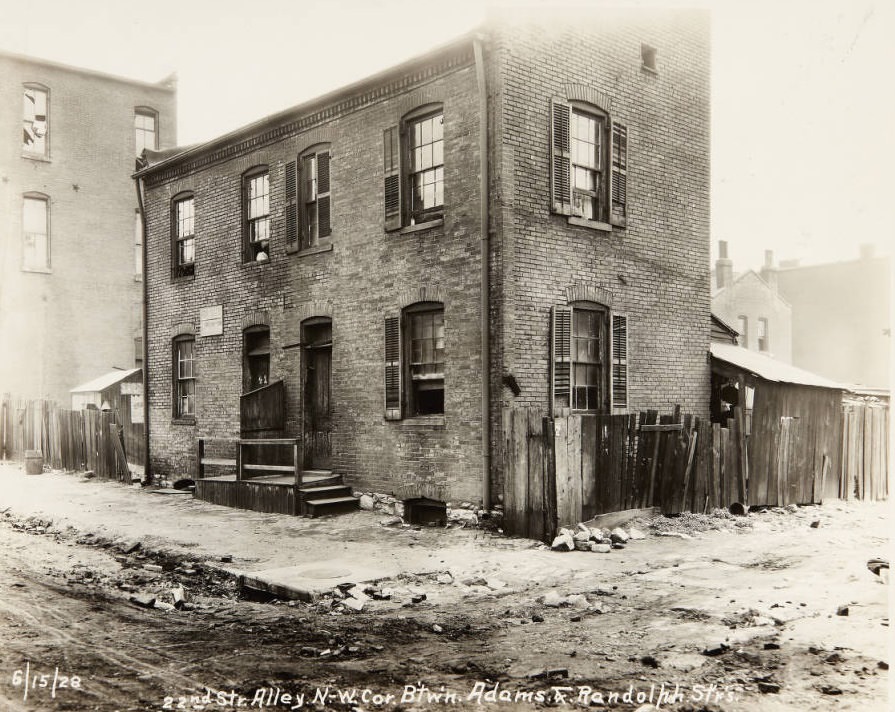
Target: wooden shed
(794, 425)
(120, 392)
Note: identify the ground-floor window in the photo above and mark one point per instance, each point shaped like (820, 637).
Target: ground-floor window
(184, 377)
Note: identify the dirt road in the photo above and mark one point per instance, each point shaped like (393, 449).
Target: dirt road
(740, 617)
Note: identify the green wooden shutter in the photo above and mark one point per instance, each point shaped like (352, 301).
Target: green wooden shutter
(561, 347)
(291, 207)
(392, 171)
(323, 195)
(392, 368)
(619, 361)
(560, 157)
(619, 175)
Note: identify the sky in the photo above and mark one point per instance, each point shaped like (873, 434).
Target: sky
(803, 110)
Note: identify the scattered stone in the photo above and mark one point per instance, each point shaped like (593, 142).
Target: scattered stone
(842, 611)
(882, 665)
(815, 524)
(538, 618)
(617, 545)
(444, 578)
(714, 652)
(153, 567)
(792, 508)
(578, 600)
(768, 688)
(772, 646)
(358, 593)
(144, 600)
(89, 475)
(583, 545)
(462, 516)
(354, 604)
(418, 598)
(164, 606)
(437, 628)
(601, 548)
(649, 661)
(548, 674)
(619, 535)
(679, 535)
(178, 594)
(187, 606)
(308, 652)
(227, 558)
(563, 542)
(129, 547)
(636, 534)
(390, 521)
(473, 581)
(495, 584)
(575, 619)
(833, 658)
(367, 502)
(554, 600)
(830, 690)
(737, 509)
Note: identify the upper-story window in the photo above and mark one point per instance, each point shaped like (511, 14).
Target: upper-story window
(183, 220)
(764, 343)
(138, 245)
(146, 129)
(256, 224)
(36, 120)
(316, 198)
(35, 233)
(743, 328)
(588, 164)
(414, 168)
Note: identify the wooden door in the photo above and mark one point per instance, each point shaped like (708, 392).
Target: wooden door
(317, 397)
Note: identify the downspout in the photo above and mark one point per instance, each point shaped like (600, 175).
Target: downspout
(486, 301)
(147, 468)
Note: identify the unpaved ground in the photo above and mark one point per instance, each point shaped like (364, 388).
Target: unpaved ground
(743, 617)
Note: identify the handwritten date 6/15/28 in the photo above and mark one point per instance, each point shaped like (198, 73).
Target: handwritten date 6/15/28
(35, 682)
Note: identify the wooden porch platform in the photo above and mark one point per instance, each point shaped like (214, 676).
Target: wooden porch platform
(273, 494)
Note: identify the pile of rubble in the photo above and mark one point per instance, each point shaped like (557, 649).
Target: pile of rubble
(600, 541)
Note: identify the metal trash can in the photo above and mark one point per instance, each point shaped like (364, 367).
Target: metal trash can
(34, 462)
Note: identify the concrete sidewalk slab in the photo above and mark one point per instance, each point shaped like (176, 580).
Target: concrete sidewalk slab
(307, 581)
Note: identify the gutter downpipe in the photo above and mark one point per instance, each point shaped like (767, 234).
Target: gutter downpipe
(486, 301)
(147, 468)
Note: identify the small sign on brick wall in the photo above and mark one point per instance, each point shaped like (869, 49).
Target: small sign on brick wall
(211, 320)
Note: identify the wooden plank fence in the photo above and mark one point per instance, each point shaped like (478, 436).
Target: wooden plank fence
(68, 440)
(865, 452)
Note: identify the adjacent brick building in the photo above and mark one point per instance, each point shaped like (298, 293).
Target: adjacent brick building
(556, 181)
(70, 266)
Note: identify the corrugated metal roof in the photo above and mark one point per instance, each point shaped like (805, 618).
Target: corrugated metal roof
(103, 382)
(768, 368)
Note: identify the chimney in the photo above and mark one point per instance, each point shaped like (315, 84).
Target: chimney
(723, 267)
(768, 271)
(868, 250)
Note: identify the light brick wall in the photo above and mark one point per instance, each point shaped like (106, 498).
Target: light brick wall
(79, 321)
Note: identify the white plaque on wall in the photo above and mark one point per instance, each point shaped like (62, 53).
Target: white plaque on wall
(211, 320)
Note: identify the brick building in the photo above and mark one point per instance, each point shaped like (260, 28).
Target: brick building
(556, 182)
(70, 264)
(751, 303)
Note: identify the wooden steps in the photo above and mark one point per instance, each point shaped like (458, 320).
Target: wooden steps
(323, 493)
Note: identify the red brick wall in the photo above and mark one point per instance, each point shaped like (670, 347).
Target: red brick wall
(77, 322)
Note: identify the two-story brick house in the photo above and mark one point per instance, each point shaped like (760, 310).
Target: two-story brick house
(70, 254)
(517, 218)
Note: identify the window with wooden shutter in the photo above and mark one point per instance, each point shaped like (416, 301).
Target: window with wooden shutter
(291, 207)
(619, 361)
(560, 157)
(619, 174)
(393, 368)
(392, 172)
(561, 348)
(315, 196)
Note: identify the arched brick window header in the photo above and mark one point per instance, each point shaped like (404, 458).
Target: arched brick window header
(588, 293)
(184, 328)
(256, 317)
(423, 293)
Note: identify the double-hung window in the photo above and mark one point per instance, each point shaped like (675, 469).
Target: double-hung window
(36, 121)
(256, 358)
(183, 221)
(145, 129)
(184, 377)
(35, 233)
(256, 225)
(590, 358)
(415, 361)
(413, 165)
(588, 164)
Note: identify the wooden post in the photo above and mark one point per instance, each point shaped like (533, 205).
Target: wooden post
(509, 474)
(691, 451)
(742, 456)
(239, 461)
(550, 523)
(298, 504)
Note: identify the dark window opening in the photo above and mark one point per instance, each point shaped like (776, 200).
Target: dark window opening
(256, 191)
(425, 511)
(256, 362)
(648, 57)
